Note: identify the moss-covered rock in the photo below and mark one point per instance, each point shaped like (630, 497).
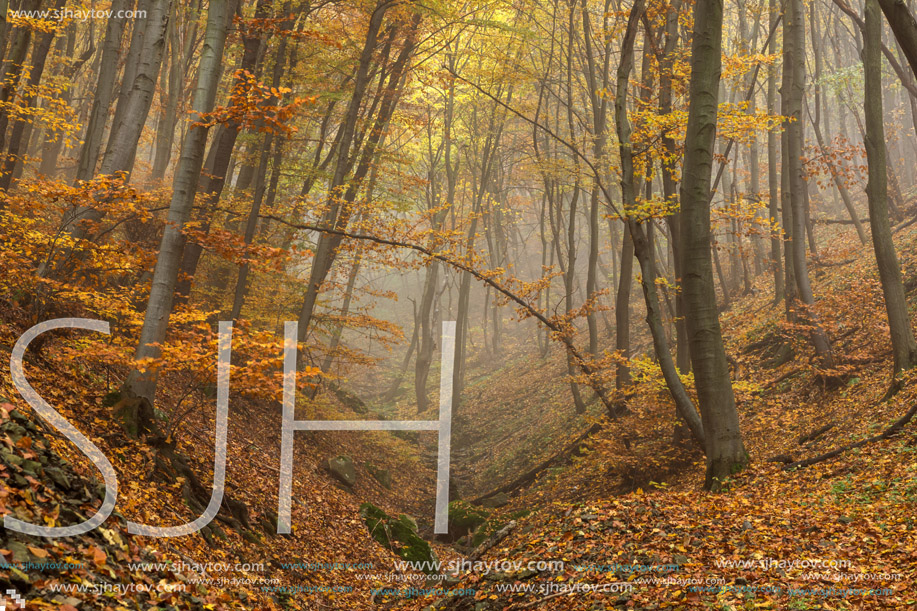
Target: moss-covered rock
(397, 534)
(464, 517)
(383, 476)
(492, 525)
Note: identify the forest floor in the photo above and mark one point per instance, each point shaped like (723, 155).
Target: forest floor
(624, 512)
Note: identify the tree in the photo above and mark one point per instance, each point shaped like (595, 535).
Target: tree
(725, 451)
(141, 382)
(904, 347)
(793, 92)
(136, 96)
(641, 233)
(104, 91)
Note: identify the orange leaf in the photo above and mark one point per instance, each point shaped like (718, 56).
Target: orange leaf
(98, 556)
(38, 552)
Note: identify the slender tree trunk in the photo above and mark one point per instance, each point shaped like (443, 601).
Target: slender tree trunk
(772, 180)
(220, 155)
(345, 310)
(104, 91)
(622, 310)
(725, 451)
(669, 184)
(794, 90)
(159, 305)
(324, 251)
(431, 281)
(12, 68)
(171, 88)
(22, 128)
(641, 234)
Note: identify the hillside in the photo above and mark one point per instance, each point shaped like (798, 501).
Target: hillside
(623, 507)
(465, 305)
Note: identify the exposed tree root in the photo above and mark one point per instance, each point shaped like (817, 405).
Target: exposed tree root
(886, 434)
(137, 417)
(529, 476)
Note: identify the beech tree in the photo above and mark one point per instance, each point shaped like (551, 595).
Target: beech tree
(725, 451)
(141, 383)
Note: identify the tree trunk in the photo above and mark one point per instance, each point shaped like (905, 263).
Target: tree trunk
(104, 91)
(794, 91)
(171, 88)
(725, 451)
(640, 234)
(159, 305)
(622, 310)
(904, 27)
(337, 215)
(772, 180)
(220, 155)
(133, 106)
(136, 101)
(21, 128)
(904, 347)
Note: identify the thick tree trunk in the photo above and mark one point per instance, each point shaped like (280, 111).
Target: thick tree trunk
(138, 86)
(725, 450)
(904, 27)
(904, 347)
(159, 305)
(125, 136)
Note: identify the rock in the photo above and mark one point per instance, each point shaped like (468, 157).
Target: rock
(58, 477)
(20, 552)
(11, 459)
(408, 521)
(451, 580)
(32, 467)
(342, 469)
(68, 600)
(464, 517)
(383, 476)
(500, 499)
(398, 535)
